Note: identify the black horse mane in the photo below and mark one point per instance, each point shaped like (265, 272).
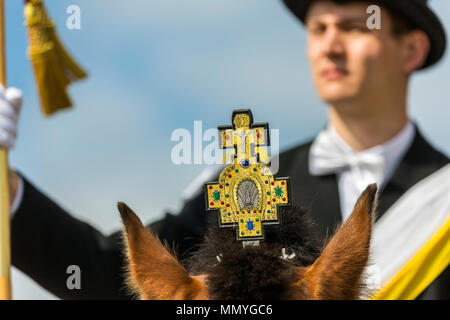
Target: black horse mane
(256, 272)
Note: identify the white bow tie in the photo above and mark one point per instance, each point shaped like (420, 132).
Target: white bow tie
(327, 156)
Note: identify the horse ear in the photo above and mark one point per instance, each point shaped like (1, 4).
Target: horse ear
(337, 273)
(153, 272)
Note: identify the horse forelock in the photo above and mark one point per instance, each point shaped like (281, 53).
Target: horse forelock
(260, 272)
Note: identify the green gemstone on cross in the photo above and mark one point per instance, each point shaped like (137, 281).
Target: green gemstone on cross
(278, 192)
(216, 195)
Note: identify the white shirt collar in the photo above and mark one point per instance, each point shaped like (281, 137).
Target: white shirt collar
(392, 151)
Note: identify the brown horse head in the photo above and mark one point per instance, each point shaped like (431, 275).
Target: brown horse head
(289, 264)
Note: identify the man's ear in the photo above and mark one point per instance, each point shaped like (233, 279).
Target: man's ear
(154, 273)
(337, 273)
(416, 47)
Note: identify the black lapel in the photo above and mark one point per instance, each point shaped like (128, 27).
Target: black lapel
(420, 161)
(319, 194)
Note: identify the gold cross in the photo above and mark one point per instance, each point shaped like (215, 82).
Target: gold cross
(247, 195)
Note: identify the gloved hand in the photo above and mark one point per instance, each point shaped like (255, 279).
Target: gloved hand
(10, 105)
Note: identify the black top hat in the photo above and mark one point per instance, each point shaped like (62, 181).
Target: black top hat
(416, 12)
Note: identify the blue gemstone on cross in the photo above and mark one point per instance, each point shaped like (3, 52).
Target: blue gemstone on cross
(250, 225)
(245, 163)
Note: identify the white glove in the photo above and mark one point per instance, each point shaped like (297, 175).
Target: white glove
(10, 105)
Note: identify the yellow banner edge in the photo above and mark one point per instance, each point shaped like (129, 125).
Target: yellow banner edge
(421, 270)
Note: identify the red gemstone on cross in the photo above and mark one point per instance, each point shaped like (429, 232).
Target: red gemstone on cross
(211, 203)
(210, 187)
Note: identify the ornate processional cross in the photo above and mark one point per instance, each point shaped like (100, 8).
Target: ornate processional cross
(247, 195)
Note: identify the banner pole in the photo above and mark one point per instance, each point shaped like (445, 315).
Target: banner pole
(5, 250)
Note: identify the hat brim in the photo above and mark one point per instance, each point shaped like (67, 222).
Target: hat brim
(418, 14)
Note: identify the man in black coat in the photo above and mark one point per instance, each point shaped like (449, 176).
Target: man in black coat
(361, 74)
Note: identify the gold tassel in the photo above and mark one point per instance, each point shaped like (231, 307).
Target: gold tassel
(53, 67)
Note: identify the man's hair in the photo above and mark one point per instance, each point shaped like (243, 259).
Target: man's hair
(400, 25)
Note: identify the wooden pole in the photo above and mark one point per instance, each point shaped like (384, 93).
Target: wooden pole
(5, 250)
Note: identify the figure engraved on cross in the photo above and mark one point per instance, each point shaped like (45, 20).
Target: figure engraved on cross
(246, 138)
(243, 136)
(247, 196)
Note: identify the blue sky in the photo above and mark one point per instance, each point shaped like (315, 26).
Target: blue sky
(155, 66)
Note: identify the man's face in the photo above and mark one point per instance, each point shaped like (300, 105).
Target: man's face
(350, 62)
